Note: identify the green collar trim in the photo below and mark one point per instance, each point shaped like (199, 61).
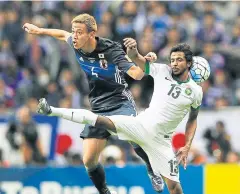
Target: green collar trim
(179, 81)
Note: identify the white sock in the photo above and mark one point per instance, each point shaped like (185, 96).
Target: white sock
(76, 115)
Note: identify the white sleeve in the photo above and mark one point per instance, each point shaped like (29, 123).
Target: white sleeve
(154, 69)
(198, 99)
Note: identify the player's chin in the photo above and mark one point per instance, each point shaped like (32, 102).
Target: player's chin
(176, 73)
(76, 47)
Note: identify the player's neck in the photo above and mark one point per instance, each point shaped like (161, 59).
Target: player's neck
(181, 78)
(90, 46)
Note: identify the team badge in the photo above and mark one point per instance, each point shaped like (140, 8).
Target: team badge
(188, 91)
(102, 61)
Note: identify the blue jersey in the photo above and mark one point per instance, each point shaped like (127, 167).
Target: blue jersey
(105, 68)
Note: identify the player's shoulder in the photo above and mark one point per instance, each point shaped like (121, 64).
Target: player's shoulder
(197, 88)
(105, 43)
(162, 66)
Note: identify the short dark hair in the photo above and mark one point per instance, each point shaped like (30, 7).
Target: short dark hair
(185, 48)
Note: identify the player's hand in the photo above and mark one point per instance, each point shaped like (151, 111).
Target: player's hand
(182, 154)
(130, 43)
(131, 46)
(31, 29)
(151, 57)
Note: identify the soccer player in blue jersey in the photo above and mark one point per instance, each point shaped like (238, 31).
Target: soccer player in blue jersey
(104, 63)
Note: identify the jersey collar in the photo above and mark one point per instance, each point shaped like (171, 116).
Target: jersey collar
(179, 81)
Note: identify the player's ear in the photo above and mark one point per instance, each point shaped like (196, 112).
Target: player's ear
(189, 64)
(92, 34)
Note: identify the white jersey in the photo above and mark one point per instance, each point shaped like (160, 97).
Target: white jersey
(153, 128)
(171, 100)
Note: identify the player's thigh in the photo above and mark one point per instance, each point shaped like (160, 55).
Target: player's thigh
(163, 159)
(129, 128)
(92, 148)
(173, 186)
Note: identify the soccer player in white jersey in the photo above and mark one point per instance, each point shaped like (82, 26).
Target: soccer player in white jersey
(175, 94)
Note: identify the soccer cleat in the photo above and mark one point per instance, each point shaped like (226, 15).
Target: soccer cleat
(43, 107)
(157, 182)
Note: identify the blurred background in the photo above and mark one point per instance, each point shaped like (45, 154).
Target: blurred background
(32, 67)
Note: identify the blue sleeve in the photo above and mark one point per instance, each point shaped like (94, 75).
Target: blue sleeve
(120, 58)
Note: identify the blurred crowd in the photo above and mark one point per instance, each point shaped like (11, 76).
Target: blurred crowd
(39, 66)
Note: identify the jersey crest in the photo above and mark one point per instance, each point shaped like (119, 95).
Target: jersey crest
(188, 91)
(103, 62)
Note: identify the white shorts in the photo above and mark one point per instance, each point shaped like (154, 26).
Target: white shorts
(158, 148)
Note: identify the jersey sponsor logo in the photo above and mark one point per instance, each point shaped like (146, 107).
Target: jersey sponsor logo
(92, 60)
(166, 78)
(188, 91)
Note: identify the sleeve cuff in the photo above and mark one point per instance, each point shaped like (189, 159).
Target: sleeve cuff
(196, 108)
(147, 67)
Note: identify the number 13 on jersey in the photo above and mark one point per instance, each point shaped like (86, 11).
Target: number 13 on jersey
(175, 91)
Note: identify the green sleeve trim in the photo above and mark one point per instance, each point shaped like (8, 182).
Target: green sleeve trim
(196, 108)
(147, 67)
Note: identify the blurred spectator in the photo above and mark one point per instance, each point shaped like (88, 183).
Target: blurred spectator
(216, 60)
(53, 94)
(219, 144)
(196, 157)
(159, 18)
(6, 95)
(233, 157)
(72, 93)
(123, 27)
(235, 36)
(32, 105)
(173, 37)
(190, 23)
(219, 94)
(12, 153)
(112, 155)
(65, 103)
(31, 146)
(210, 31)
(7, 57)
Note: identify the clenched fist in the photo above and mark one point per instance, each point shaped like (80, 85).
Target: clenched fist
(131, 46)
(31, 29)
(151, 57)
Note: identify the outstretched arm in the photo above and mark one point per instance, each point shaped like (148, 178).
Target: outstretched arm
(191, 127)
(56, 33)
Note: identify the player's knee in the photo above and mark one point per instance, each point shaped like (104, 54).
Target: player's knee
(175, 188)
(90, 161)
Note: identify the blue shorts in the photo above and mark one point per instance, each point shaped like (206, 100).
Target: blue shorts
(89, 131)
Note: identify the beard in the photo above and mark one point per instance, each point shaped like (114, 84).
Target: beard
(180, 72)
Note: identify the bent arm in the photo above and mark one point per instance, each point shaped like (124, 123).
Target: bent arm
(191, 127)
(135, 72)
(139, 60)
(135, 56)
